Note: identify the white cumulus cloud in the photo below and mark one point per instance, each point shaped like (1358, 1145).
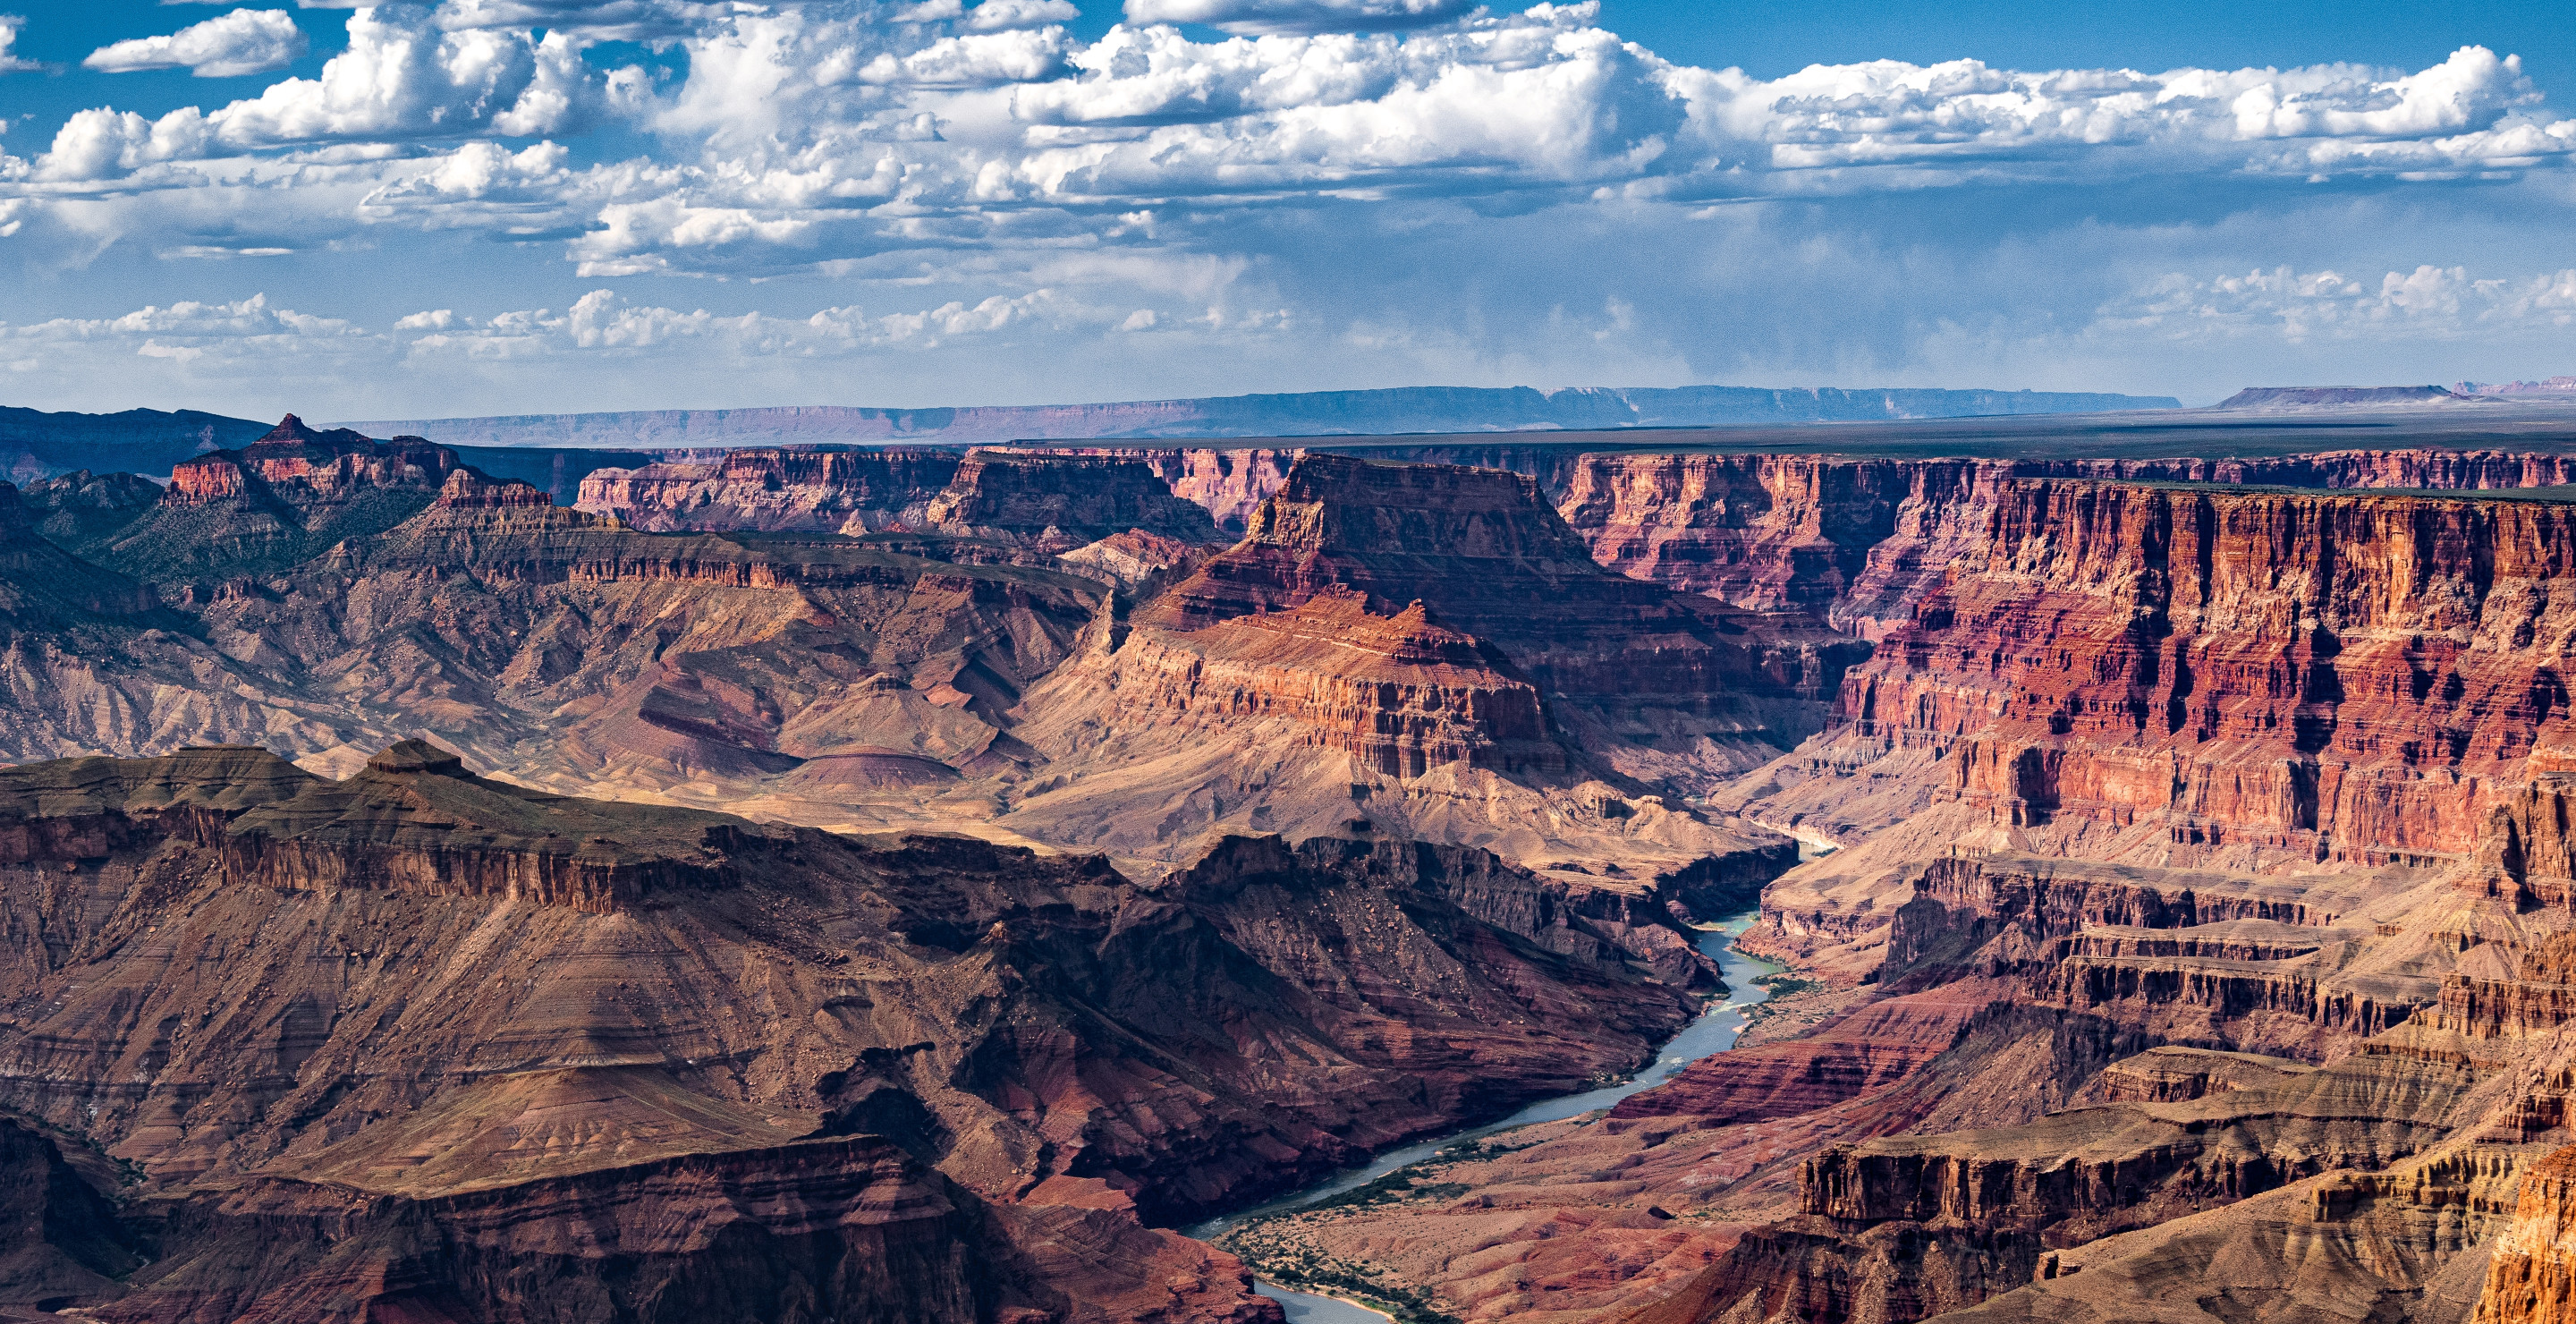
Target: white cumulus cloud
(2298, 306)
(245, 41)
(1264, 16)
(402, 78)
(10, 63)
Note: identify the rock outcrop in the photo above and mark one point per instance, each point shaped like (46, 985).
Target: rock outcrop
(2532, 1278)
(774, 490)
(1426, 652)
(1060, 502)
(274, 504)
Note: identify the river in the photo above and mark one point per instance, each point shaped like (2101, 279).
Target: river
(1713, 1032)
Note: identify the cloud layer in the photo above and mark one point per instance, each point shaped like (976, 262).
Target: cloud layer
(1357, 172)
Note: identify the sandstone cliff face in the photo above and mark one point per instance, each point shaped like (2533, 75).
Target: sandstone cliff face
(2262, 678)
(1858, 540)
(2532, 1278)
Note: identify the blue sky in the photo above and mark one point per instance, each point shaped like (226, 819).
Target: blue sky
(487, 206)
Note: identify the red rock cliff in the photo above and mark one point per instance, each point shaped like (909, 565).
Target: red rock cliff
(2339, 676)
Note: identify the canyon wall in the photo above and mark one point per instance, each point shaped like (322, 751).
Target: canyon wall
(2354, 677)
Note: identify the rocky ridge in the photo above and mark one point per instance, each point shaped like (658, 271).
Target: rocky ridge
(417, 1011)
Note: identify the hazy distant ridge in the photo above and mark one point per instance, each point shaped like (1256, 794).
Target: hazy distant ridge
(1314, 413)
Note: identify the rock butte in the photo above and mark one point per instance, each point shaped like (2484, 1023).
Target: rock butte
(906, 883)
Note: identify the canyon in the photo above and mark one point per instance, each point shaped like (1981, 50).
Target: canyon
(913, 882)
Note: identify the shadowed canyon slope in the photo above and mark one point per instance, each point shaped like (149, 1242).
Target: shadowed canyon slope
(905, 883)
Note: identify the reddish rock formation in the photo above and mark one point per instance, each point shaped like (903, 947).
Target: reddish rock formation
(1230, 484)
(1427, 652)
(776, 490)
(1063, 501)
(1486, 557)
(2532, 1277)
(468, 490)
(1858, 539)
(274, 504)
(2334, 677)
(1873, 1047)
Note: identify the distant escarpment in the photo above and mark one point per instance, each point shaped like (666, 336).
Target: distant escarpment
(35, 444)
(1311, 413)
(2338, 397)
(406, 1033)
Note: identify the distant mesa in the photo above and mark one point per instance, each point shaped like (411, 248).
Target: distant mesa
(2331, 397)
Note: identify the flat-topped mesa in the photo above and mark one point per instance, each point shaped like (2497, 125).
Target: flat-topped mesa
(65, 811)
(777, 490)
(303, 466)
(2351, 677)
(1061, 502)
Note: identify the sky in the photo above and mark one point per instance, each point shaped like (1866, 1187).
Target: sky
(507, 206)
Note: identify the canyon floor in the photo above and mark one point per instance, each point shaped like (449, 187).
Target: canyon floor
(919, 884)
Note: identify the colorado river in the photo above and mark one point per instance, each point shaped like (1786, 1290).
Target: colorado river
(1713, 1032)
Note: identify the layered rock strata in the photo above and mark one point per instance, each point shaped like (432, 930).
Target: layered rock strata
(772, 490)
(1426, 652)
(1859, 539)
